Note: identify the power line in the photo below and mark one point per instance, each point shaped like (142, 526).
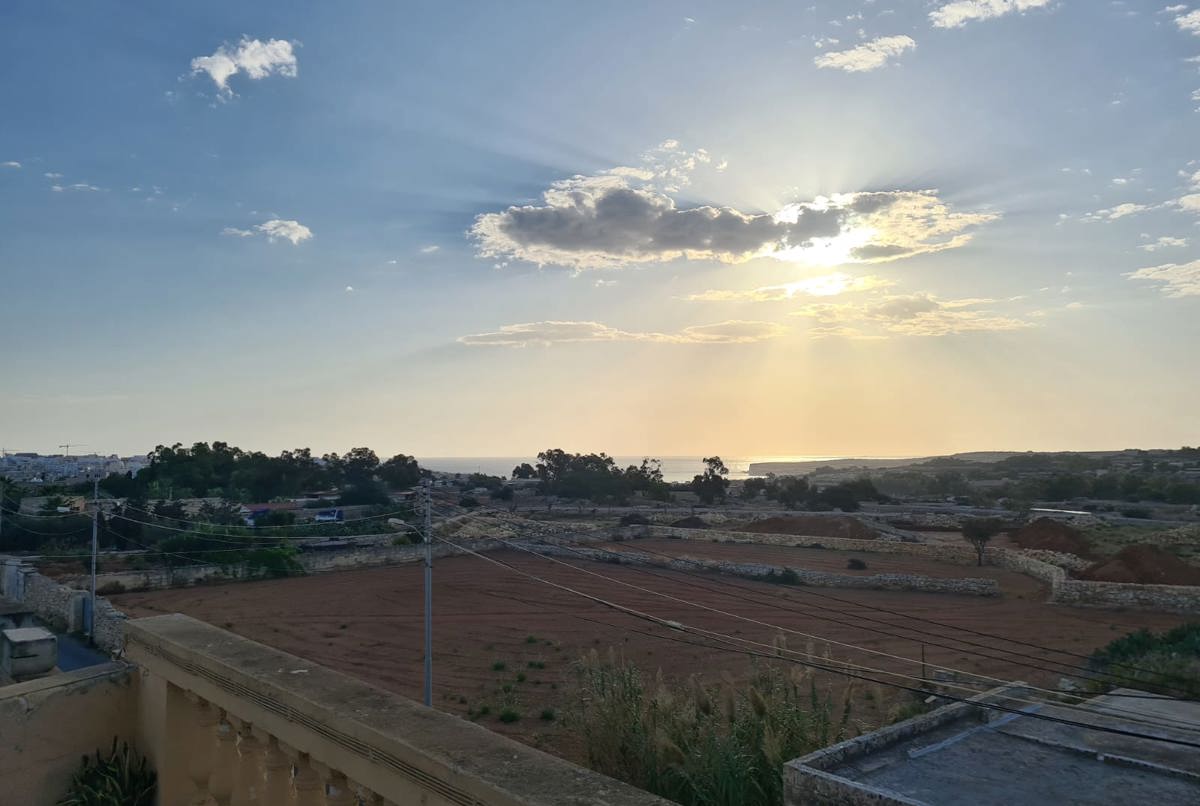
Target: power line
(842, 669)
(912, 617)
(853, 647)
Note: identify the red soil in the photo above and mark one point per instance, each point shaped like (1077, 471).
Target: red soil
(368, 623)
(1051, 535)
(1148, 565)
(812, 526)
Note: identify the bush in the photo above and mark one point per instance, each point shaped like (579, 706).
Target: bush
(548, 715)
(122, 778)
(634, 519)
(110, 588)
(699, 745)
(855, 564)
(468, 502)
(499, 666)
(1167, 664)
(509, 715)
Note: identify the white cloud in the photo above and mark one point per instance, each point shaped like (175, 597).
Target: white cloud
(558, 332)
(868, 56)
(287, 229)
(78, 187)
(1173, 9)
(10, 164)
(274, 229)
(826, 285)
(1177, 279)
(1117, 212)
(52, 175)
(907, 315)
(960, 12)
(255, 58)
(1189, 22)
(429, 250)
(1189, 203)
(1164, 242)
(349, 289)
(611, 220)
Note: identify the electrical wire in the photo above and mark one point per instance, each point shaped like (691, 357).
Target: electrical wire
(840, 668)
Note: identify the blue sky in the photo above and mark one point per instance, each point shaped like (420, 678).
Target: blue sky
(1014, 162)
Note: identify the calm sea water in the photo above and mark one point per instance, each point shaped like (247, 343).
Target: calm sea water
(674, 468)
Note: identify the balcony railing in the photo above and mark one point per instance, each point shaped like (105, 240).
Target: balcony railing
(230, 721)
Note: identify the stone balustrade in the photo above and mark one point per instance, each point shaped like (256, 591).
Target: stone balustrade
(230, 722)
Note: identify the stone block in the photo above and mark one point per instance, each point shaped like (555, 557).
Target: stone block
(27, 652)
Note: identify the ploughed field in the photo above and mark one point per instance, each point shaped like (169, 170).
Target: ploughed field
(495, 629)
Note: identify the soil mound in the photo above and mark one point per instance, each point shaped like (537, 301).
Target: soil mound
(690, 522)
(1147, 565)
(813, 526)
(1048, 534)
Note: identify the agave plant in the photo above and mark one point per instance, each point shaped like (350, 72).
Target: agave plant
(122, 778)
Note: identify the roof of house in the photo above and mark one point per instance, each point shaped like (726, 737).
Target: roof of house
(1004, 758)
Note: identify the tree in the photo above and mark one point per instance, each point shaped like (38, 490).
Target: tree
(978, 531)
(401, 471)
(524, 471)
(751, 488)
(712, 484)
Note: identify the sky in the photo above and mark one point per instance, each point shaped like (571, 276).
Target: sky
(874, 228)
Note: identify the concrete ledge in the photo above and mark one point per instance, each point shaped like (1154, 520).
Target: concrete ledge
(387, 742)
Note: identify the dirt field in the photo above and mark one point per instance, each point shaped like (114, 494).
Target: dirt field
(494, 628)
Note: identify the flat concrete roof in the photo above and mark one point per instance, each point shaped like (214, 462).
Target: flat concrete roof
(22, 634)
(1014, 759)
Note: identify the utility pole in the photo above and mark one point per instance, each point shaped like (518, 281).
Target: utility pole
(95, 550)
(428, 598)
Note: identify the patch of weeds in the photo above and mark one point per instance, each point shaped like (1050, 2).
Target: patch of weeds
(531, 639)
(509, 715)
(520, 677)
(499, 666)
(548, 715)
(537, 664)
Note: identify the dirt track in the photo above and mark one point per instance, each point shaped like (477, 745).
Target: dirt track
(369, 624)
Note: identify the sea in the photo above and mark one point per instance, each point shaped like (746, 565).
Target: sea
(674, 468)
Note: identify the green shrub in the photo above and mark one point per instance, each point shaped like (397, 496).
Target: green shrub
(509, 715)
(520, 677)
(702, 745)
(499, 666)
(1168, 663)
(548, 715)
(122, 778)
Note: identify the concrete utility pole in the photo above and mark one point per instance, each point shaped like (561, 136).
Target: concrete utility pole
(428, 598)
(95, 550)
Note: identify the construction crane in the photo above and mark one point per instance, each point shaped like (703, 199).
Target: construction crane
(70, 445)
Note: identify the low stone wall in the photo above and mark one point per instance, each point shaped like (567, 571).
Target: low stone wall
(1063, 589)
(820, 579)
(62, 607)
(958, 555)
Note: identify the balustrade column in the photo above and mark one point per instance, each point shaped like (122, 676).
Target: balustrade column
(307, 783)
(277, 775)
(248, 784)
(203, 748)
(341, 791)
(220, 782)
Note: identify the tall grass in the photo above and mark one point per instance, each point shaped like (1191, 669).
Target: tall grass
(698, 744)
